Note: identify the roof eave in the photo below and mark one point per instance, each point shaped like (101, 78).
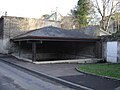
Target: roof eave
(54, 39)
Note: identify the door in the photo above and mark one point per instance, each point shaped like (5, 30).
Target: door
(112, 52)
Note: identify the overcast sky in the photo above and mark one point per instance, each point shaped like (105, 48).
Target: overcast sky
(35, 8)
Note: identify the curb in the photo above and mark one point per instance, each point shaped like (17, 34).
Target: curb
(61, 81)
(100, 76)
(79, 61)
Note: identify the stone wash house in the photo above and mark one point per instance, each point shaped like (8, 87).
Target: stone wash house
(53, 43)
(39, 39)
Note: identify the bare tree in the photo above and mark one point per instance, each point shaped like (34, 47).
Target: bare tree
(106, 8)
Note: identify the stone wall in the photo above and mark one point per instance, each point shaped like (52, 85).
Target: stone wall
(4, 46)
(1, 27)
(118, 52)
(105, 50)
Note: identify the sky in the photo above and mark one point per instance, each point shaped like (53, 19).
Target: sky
(35, 8)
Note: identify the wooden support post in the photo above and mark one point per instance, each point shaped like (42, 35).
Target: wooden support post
(34, 51)
(19, 48)
(98, 49)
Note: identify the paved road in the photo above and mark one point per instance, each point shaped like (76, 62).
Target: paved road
(14, 79)
(68, 72)
(97, 83)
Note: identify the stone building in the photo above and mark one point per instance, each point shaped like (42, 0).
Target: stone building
(53, 43)
(50, 42)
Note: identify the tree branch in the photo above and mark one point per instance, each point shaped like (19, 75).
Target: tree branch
(98, 8)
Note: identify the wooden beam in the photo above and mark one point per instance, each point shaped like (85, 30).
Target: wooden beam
(34, 51)
(77, 40)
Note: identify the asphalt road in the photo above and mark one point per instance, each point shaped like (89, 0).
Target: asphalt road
(96, 83)
(14, 79)
(67, 72)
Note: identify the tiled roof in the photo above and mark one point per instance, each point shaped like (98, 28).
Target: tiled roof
(53, 33)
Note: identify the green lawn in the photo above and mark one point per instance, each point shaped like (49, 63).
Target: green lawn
(111, 70)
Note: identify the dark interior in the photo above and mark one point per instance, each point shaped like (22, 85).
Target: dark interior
(59, 50)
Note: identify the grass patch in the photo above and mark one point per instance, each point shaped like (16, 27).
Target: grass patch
(111, 70)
